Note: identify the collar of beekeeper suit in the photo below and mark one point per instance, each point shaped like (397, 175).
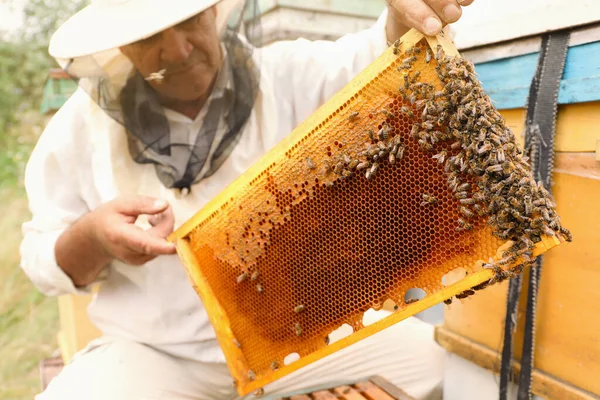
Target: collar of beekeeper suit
(112, 81)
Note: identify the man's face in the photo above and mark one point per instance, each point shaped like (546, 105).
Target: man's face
(189, 51)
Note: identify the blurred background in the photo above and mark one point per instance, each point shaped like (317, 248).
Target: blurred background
(28, 320)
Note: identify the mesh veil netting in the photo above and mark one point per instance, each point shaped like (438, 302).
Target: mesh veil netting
(113, 83)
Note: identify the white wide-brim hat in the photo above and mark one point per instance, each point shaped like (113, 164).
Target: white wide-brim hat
(109, 24)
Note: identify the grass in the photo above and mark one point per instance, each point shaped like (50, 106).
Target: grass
(28, 319)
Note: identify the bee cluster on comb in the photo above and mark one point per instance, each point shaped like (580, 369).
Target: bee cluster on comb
(470, 138)
(405, 175)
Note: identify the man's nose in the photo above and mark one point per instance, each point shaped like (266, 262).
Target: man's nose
(175, 46)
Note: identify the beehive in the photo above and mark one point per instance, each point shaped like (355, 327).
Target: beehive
(405, 175)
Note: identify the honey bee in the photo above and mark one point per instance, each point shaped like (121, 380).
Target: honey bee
(411, 300)
(494, 168)
(259, 392)
(400, 153)
(274, 366)
(363, 165)
(234, 383)
(260, 288)
(425, 145)
(241, 278)
(407, 111)
(236, 343)
(466, 212)
(463, 225)
(428, 199)
(329, 184)
(346, 173)
(461, 195)
(310, 163)
(501, 156)
(255, 275)
(465, 294)
(392, 158)
(299, 308)
(374, 167)
(439, 52)
(441, 156)
(568, 235)
(383, 133)
(298, 329)
(547, 231)
(371, 134)
(338, 168)
(528, 205)
(427, 55)
(507, 260)
(484, 149)
(353, 116)
(448, 301)
(388, 114)
(463, 186)
(480, 211)
(409, 60)
(481, 286)
(353, 164)
(251, 375)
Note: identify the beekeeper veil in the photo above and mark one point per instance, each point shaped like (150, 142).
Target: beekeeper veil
(90, 54)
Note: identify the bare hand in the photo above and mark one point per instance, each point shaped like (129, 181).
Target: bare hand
(115, 232)
(427, 16)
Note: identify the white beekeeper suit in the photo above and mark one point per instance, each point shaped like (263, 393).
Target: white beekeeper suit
(158, 342)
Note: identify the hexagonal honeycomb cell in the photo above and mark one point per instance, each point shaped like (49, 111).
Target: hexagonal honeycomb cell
(405, 175)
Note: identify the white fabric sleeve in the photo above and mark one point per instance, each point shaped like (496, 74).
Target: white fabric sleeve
(307, 73)
(52, 184)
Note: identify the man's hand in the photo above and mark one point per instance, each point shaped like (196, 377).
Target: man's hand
(427, 16)
(109, 232)
(115, 232)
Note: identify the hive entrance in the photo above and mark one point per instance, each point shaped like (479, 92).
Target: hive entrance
(392, 184)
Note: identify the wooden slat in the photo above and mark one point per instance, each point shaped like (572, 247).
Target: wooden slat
(324, 395)
(542, 385)
(348, 393)
(390, 388)
(576, 127)
(372, 392)
(300, 397)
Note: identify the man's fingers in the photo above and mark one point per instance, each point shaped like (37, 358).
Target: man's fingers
(133, 258)
(136, 205)
(162, 224)
(447, 10)
(144, 242)
(465, 3)
(416, 14)
(426, 16)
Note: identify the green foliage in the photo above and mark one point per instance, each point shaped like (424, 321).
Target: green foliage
(24, 65)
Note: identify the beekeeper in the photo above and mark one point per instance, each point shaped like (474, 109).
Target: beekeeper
(174, 104)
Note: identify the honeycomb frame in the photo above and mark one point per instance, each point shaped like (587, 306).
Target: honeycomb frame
(240, 359)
